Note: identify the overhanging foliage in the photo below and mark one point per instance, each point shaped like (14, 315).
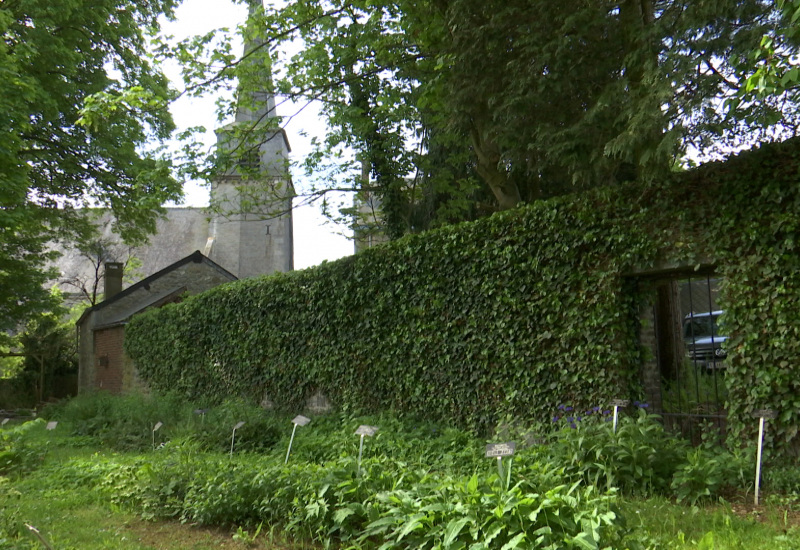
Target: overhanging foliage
(512, 314)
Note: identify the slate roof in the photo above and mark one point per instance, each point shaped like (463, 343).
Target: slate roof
(181, 232)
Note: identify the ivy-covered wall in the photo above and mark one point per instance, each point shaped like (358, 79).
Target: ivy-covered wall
(512, 314)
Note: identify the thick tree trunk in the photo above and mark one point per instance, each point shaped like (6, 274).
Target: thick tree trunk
(488, 154)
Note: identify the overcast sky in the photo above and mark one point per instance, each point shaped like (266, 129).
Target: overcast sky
(314, 240)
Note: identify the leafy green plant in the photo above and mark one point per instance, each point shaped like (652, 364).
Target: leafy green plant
(705, 471)
(213, 430)
(693, 389)
(640, 458)
(244, 536)
(123, 422)
(18, 451)
(449, 513)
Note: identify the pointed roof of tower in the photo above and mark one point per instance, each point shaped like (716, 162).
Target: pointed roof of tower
(258, 128)
(261, 104)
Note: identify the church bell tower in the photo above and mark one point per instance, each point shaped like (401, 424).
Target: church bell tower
(250, 231)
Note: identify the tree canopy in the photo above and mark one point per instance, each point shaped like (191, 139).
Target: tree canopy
(457, 108)
(58, 63)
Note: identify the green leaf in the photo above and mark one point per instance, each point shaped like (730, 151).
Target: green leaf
(515, 542)
(453, 529)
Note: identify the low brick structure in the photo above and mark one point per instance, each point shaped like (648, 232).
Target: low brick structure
(102, 363)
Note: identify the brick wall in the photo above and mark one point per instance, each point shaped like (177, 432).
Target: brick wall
(649, 370)
(108, 359)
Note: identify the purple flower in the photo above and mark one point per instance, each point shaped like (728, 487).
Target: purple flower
(571, 419)
(606, 413)
(643, 405)
(568, 409)
(555, 419)
(573, 426)
(561, 407)
(578, 418)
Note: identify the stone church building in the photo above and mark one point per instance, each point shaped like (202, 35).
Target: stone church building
(193, 250)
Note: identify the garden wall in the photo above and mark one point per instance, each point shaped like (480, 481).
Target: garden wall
(509, 315)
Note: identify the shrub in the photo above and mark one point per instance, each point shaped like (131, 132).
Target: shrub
(122, 422)
(706, 471)
(640, 458)
(19, 452)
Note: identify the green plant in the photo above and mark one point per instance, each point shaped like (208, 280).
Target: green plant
(640, 458)
(450, 513)
(692, 390)
(124, 422)
(243, 536)
(213, 431)
(705, 471)
(19, 452)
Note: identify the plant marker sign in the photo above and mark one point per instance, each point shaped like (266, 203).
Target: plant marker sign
(155, 429)
(362, 431)
(617, 403)
(761, 415)
(498, 451)
(4, 422)
(201, 413)
(233, 435)
(298, 420)
(51, 425)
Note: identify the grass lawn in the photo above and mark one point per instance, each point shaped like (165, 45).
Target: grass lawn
(77, 520)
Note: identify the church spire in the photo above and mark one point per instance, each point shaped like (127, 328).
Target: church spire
(250, 231)
(258, 104)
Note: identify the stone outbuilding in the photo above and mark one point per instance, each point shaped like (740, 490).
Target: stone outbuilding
(101, 329)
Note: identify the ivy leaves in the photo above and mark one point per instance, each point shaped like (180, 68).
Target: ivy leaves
(510, 314)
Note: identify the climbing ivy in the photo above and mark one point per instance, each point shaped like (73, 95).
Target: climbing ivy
(509, 315)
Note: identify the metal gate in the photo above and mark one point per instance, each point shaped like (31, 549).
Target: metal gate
(690, 356)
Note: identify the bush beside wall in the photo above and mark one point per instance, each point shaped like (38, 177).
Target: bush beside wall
(509, 315)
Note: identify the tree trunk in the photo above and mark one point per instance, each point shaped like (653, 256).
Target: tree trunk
(488, 154)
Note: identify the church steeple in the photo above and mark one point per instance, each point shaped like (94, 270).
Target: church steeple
(260, 105)
(251, 199)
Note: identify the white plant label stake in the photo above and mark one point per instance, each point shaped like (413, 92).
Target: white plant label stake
(498, 451)
(233, 435)
(4, 422)
(201, 413)
(51, 425)
(617, 403)
(298, 420)
(155, 429)
(761, 415)
(362, 431)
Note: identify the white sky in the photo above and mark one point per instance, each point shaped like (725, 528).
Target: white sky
(315, 239)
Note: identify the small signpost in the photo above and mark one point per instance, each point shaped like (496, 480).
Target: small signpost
(155, 429)
(51, 425)
(5, 421)
(362, 431)
(298, 420)
(498, 451)
(233, 435)
(761, 415)
(617, 403)
(201, 413)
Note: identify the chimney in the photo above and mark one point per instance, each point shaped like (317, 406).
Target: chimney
(112, 283)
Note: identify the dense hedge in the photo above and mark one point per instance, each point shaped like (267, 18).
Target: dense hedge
(512, 314)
